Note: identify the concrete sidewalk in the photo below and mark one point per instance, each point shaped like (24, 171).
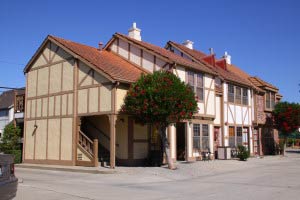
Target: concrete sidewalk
(80, 169)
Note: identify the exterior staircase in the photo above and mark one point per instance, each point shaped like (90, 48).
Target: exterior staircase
(89, 148)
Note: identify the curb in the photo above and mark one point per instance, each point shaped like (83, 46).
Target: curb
(88, 171)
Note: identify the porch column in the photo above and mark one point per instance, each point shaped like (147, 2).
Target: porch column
(172, 141)
(112, 121)
(189, 142)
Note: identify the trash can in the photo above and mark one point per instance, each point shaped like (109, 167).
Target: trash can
(224, 153)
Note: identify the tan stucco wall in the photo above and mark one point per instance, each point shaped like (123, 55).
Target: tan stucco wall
(93, 100)
(180, 71)
(146, 61)
(122, 137)
(32, 81)
(43, 81)
(88, 98)
(41, 139)
(29, 138)
(121, 93)
(105, 101)
(66, 139)
(55, 78)
(47, 100)
(53, 139)
(82, 101)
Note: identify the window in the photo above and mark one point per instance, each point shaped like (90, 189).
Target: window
(195, 81)
(191, 80)
(231, 93)
(231, 136)
(238, 94)
(201, 136)
(218, 82)
(205, 136)
(270, 100)
(236, 136)
(199, 86)
(196, 140)
(245, 96)
(239, 136)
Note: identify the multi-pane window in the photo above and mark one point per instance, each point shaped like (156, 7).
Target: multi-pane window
(245, 96)
(239, 136)
(195, 81)
(231, 93)
(236, 136)
(270, 100)
(199, 86)
(201, 136)
(205, 136)
(196, 138)
(231, 136)
(191, 80)
(237, 95)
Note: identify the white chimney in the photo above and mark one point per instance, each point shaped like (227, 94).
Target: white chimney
(227, 58)
(135, 32)
(188, 44)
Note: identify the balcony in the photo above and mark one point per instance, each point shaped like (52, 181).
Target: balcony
(19, 106)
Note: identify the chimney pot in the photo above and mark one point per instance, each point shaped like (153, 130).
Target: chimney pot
(188, 44)
(211, 50)
(100, 46)
(227, 58)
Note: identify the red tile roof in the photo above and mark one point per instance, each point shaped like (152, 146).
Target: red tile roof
(171, 57)
(114, 66)
(225, 74)
(261, 83)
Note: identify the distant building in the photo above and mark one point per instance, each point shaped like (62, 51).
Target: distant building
(10, 104)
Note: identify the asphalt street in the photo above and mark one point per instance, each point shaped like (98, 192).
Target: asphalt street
(268, 178)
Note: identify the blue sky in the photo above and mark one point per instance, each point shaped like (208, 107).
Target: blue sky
(263, 37)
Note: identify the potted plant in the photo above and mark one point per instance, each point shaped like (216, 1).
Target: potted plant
(243, 154)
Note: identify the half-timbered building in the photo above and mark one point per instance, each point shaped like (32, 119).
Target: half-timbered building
(74, 94)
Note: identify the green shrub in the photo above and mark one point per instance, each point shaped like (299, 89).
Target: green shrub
(243, 153)
(291, 142)
(16, 153)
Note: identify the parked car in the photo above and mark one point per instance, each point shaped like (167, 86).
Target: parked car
(8, 181)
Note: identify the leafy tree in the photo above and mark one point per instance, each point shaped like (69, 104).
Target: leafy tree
(11, 138)
(286, 118)
(160, 99)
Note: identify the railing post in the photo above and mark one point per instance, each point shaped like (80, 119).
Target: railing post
(95, 149)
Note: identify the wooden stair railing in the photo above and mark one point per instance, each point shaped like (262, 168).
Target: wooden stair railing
(91, 124)
(89, 146)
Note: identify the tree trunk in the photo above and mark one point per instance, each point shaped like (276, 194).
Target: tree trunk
(166, 148)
